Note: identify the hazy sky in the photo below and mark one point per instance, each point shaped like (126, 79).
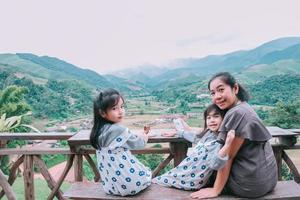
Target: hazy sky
(111, 35)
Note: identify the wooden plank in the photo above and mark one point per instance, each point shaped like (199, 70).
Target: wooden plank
(277, 132)
(34, 151)
(83, 138)
(37, 136)
(294, 130)
(89, 190)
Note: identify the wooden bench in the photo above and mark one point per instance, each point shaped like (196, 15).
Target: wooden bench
(91, 190)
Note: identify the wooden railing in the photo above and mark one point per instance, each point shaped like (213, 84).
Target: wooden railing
(31, 156)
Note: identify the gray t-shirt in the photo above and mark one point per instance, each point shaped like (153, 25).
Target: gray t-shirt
(254, 170)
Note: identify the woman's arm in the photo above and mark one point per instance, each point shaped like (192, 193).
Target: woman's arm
(222, 175)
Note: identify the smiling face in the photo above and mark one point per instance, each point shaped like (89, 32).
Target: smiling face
(224, 96)
(213, 121)
(116, 113)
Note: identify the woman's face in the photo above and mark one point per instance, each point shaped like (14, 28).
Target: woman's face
(222, 94)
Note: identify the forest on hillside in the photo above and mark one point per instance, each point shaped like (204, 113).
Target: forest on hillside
(277, 98)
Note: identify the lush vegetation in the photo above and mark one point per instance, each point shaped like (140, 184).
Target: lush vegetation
(283, 88)
(53, 100)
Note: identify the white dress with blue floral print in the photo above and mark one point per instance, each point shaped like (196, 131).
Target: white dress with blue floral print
(121, 172)
(194, 171)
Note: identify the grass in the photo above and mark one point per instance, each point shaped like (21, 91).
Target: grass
(41, 189)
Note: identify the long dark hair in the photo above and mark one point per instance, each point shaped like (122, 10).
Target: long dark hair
(228, 79)
(105, 100)
(211, 108)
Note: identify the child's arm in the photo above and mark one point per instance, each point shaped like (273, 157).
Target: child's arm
(137, 141)
(219, 160)
(189, 136)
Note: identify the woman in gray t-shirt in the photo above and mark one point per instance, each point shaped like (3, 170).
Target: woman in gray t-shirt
(251, 171)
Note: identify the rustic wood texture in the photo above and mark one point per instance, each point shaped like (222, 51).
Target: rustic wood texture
(34, 151)
(278, 156)
(50, 181)
(162, 165)
(292, 167)
(179, 151)
(28, 177)
(36, 136)
(284, 190)
(97, 177)
(62, 177)
(78, 164)
(6, 187)
(13, 173)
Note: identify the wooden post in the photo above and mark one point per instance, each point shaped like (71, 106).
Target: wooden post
(78, 167)
(28, 177)
(179, 150)
(278, 156)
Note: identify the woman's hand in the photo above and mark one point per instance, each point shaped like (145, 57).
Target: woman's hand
(169, 134)
(205, 193)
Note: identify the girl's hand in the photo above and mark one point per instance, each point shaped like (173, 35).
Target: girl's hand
(146, 129)
(185, 125)
(169, 134)
(205, 193)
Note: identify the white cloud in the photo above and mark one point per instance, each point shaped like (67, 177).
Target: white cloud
(110, 35)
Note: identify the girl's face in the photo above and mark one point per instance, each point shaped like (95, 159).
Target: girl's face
(222, 94)
(213, 121)
(116, 113)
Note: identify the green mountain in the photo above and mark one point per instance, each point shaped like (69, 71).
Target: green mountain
(72, 88)
(57, 89)
(292, 52)
(232, 62)
(67, 69)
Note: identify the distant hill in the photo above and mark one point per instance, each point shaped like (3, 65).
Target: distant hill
(58, 89)
(52, 81)
(232, 62)
(40, 69)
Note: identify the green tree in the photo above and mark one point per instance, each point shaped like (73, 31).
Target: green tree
(12, 101)
(285, 115)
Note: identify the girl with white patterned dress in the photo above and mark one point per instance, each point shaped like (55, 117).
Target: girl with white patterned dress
(121, 172)
(208, 154)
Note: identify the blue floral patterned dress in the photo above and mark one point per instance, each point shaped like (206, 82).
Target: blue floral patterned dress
(194, 171)
(121, 172)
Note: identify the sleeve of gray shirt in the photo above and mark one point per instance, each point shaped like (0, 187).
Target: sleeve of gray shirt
(216, 161)
(134, 142)
(189, 136)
